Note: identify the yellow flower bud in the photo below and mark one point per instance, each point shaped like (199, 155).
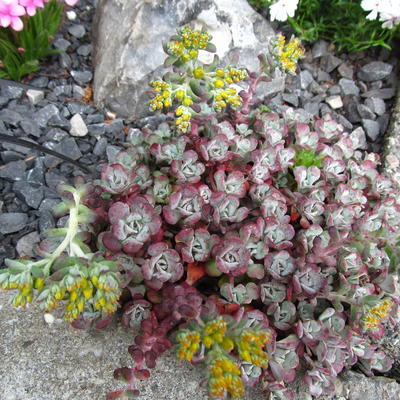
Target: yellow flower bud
(227, 344)
(88, 293)
(187, 101)
(80, 305)
(59, 295)
(193, 54)
(220, 72)
(207, 341)
(102, 301)
(185, 57)
(39, 283)
(25, 291)
(180, 94)
(72, 297)
(95, 280)
(198, 73)
(219, 83)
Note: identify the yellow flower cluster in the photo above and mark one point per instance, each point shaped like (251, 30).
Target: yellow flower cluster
(25, 283)
(103, 292)
(250, 346)
(225, 378)
(372, 319)
(183, 121)
(214, 331)
(188, 44)
(189, 343)
(194, 39)
(289, 53)
(163, 95)
(224, 95)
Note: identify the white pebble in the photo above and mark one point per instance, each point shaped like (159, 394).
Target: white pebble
(78, 126)
(49, 318)
(334, 101)
(71, 15)
(34, 96)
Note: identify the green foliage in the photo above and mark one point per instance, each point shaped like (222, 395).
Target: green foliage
(342, 22)
(20, 52)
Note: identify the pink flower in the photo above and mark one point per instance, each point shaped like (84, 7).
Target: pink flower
(71, 2)
(31, 5)
(10, 11)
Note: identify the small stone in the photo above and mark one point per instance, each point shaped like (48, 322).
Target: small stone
(84, 50)
(349, 86)
(358, 137)
(371, 128)
(374, 71)
(97, 129)
(63, 90)
(346, 71)
(77, 30)
(365, 112)
(320, 49)
(65, 60)
(43, 115)
(78, 91)
(12, 222)
(112, 152)
(36, 174)
(312, 108)
(61, 44)
(14, 170)
(100, 146)
(40, 81)
(335, 89)
(71, 15)
(12, 92)
(26, 244)
(330, 62)
(334, 101)
(377, 105)
(82, 76)
(32, 195)
(48, 318)
(383, 122)
(47, 205)
(116, 126)
(34, 96)
(385, 94)
(30, 127)
(78, 126)
(323, 76)
(54, 179)
(291, 99)
(10, 117)
(305, 78)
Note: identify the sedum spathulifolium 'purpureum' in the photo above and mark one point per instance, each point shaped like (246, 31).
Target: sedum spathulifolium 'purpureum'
(254, 241)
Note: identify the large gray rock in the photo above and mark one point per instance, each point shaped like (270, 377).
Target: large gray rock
(128, 37)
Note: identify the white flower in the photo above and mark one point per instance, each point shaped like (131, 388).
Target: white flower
(372, 5)
(388, 10)
(283, 9)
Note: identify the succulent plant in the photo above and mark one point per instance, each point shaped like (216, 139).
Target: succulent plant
(257, 241)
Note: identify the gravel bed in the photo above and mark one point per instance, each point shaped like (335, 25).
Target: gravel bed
(55, 111)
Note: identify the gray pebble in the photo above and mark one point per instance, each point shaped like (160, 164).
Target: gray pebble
(82, 76)
(346, 71)
(349, 86)
(374, 71)
(10, 117)
(65, 60)
(385, 94)
(12, 92)
(43, 115)
(305, 78)
(97, 129)
(46, 221)
(365, 112)
(30, 127)
(61, 44)
(377, 105)
(14, 170)
(100, 147)
(371, 127)
(30, 194)
(112, 152)
(12, 222)
(77, 30)
(330, 62)
(26, 244)
(84, 50)
(291, 99)
(320, 49)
